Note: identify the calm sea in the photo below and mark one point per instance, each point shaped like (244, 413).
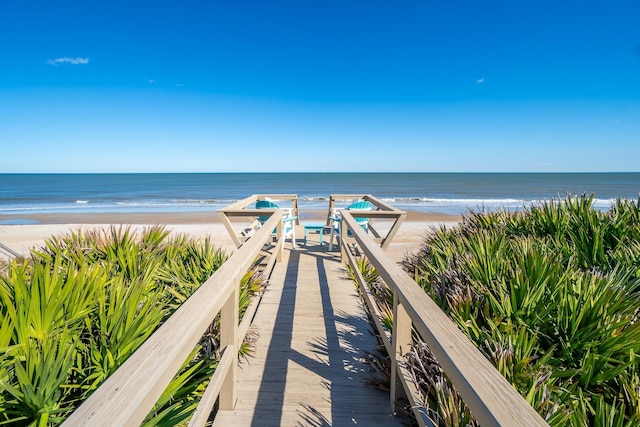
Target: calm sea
(451, 193)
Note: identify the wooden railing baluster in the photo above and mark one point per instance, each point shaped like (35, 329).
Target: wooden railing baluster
(401, 344)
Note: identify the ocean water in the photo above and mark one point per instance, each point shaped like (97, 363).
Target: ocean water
(451, 193)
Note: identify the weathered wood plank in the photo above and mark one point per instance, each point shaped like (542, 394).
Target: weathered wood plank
(308, 363)
(227, 362)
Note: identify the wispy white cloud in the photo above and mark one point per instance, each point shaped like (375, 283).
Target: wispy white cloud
(74, 61)
(480, 81)
(152, 82)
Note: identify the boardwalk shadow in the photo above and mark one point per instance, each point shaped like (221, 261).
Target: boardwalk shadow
(346, 337)
(335, 355)
(272, 386)
(310, 416)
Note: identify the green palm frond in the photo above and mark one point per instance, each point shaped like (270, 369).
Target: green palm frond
(551, 296)
(73, 312)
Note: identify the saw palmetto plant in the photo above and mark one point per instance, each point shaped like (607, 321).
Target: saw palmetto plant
(73, 312)
(550, 295)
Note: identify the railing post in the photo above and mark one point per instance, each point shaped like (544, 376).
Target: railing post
(332, 204)
(229, 319)
(280, 241)
(401, 344)
(296, 213)
(342, 240)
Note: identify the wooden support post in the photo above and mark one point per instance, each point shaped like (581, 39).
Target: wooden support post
(230, 229)
(394, 229)
(342, 238)
(332, 204)
(229, 319)
(401, 344)
(279, 241)
(294, 210)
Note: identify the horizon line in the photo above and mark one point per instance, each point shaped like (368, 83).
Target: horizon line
(319, 172)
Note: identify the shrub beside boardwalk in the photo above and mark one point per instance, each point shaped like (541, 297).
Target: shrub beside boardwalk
(78, 307)
(551, 296)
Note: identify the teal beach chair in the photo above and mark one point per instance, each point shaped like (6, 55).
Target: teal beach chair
(288, 220)
(336, 220)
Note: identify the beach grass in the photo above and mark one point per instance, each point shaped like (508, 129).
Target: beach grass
(80, 305)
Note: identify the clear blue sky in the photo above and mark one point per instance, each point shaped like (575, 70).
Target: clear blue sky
(226, 86)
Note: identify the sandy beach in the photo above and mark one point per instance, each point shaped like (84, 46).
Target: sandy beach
(30, 231)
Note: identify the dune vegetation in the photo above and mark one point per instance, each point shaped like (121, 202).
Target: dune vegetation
(550, 295)
(78, 307)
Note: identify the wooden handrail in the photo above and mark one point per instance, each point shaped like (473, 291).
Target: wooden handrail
(383, 211)
(240, 209)
(130, 393)
(489, 396)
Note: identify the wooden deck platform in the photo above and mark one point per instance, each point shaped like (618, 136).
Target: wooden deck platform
(309, 368)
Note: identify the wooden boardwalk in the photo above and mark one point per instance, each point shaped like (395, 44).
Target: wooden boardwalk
(308, 368)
